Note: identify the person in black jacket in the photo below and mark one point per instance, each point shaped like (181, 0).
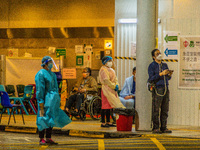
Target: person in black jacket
(159, 74)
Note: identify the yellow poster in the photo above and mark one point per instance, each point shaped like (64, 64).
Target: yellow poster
(63, 94)
(108, 44)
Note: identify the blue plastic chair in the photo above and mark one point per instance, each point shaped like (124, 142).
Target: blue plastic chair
(26, 98)
(2, 88)
(5, 102)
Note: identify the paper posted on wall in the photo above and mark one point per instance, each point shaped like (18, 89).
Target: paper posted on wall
(88, 56)
(189, 62)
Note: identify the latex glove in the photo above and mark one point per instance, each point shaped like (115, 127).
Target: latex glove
(116, 88)
(41, 112)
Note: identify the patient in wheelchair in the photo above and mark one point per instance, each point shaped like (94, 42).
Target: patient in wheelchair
(84, 85)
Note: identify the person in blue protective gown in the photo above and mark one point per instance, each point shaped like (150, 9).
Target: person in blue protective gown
(127, 94)
(49, 113)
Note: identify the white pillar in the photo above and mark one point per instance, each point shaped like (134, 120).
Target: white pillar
(3, 69)
(147, 12)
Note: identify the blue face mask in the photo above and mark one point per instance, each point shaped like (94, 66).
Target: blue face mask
(50, 66)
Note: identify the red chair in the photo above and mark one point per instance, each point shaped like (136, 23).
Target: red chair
(26, 98)
(33, 100)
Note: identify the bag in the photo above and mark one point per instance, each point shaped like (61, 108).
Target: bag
(124, 111)
(150, 85)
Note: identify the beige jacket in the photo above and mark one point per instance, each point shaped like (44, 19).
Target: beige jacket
(89, 84)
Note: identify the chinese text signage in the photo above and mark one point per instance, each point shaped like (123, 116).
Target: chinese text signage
(189, 62)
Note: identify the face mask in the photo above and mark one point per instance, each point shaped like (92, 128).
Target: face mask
(109, 64)
(84, 75)
(159, 57)
(50, 66)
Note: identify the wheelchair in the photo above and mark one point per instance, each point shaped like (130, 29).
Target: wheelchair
(90, 105)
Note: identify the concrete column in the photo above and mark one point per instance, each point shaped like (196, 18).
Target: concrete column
(62, 63)
(3, 69)
(147, 20)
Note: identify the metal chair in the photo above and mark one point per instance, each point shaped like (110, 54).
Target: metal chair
(5, 102)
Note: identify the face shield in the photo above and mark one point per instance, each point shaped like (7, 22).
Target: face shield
(51, 61)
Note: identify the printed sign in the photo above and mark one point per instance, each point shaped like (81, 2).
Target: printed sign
(97, 55)
(78, 48)
(189, 62)
(12, 52)
(108, 44)
(79, 60)
(69, 73)
(61, 52)
(88, 57)
(133, 49)
(171, 37)
(170, 52)
(52, 50)
(170, 45)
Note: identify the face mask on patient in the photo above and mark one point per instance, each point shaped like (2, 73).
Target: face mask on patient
(85, 75)
(109, 64)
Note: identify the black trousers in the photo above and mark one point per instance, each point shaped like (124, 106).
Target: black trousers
(103, 113)
(48, 133)
(160, 104)
(78, 98)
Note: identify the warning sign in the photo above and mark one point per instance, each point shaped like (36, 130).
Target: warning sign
(108, 44)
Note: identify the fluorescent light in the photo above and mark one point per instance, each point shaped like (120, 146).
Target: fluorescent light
(127, 20)
(132, 20)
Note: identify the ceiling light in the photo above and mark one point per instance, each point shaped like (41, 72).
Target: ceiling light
(132, 20)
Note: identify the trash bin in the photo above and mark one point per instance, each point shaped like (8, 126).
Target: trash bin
(124, 119)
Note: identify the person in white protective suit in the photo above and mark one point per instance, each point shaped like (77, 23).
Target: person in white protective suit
(49, 113)
(127, 94)
(109, 89)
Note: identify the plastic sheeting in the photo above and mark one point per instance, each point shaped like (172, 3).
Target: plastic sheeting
(23, 70)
